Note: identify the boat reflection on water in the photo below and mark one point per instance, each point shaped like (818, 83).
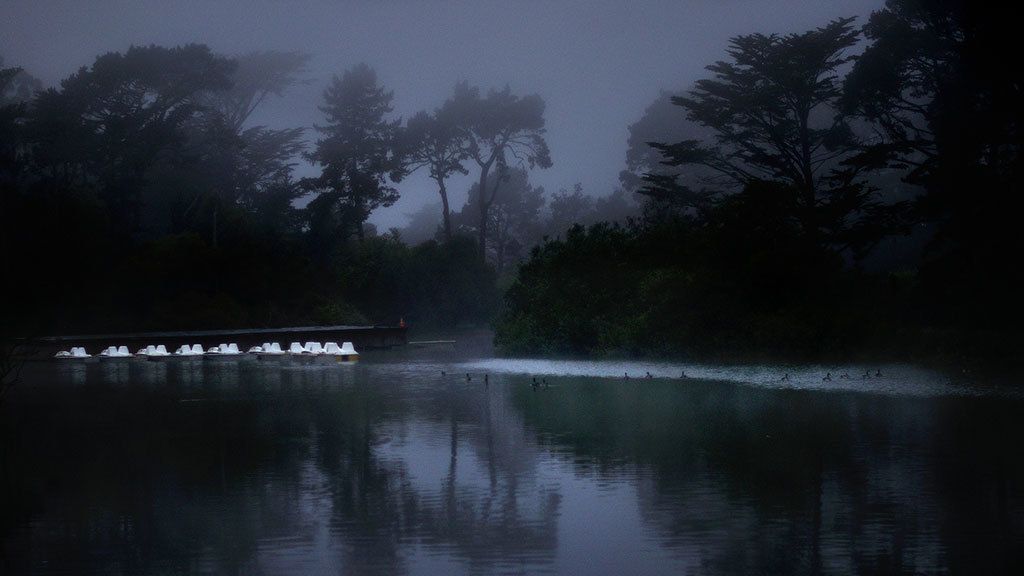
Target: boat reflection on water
(399, 464)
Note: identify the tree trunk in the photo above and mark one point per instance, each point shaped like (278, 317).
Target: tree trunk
(482, 228)
(445, 211)
(807, 172)
(501, 241)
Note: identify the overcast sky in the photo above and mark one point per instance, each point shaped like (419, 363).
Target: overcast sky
(597, 64)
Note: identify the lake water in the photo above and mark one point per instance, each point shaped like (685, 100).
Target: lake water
(390, 467)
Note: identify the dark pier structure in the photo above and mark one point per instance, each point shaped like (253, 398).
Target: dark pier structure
(362, 337)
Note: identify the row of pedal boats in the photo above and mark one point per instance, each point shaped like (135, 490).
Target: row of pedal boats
(344, 353)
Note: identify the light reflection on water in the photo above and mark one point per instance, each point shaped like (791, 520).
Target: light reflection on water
(390, 467)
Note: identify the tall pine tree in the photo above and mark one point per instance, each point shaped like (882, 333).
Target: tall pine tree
(356, 152)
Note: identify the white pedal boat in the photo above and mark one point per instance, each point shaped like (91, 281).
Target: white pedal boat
(226, 351)
(115, 353)
(151, 352)
(268, 350)
(344, 353)
(76, 353)
(186, 351)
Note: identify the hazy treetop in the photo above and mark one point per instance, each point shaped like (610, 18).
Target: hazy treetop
(597, 64)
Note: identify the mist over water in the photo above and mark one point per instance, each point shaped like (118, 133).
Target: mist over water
(390, 466)
(895, 379)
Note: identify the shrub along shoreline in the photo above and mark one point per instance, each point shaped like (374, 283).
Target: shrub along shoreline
(655, 291)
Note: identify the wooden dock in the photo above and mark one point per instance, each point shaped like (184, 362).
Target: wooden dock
(362, 337)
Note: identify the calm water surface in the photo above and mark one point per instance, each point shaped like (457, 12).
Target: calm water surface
(388, 467)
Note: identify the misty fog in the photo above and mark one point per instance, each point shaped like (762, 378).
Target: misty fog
(597, 64)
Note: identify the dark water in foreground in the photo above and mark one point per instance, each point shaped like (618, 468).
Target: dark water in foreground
(387, 467)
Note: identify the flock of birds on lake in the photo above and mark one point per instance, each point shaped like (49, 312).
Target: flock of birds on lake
(543, 382)
(535, 384)
(843, 376)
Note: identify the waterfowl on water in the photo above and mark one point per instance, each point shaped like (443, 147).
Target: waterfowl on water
(878, 373)
(785, 378)
(827, 378)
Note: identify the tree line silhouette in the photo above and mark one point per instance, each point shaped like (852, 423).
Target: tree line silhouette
(139, 194)
(841, 189)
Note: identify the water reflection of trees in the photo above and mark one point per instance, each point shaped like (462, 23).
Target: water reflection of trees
(745, 481)
(222, 469)
(380, 511)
